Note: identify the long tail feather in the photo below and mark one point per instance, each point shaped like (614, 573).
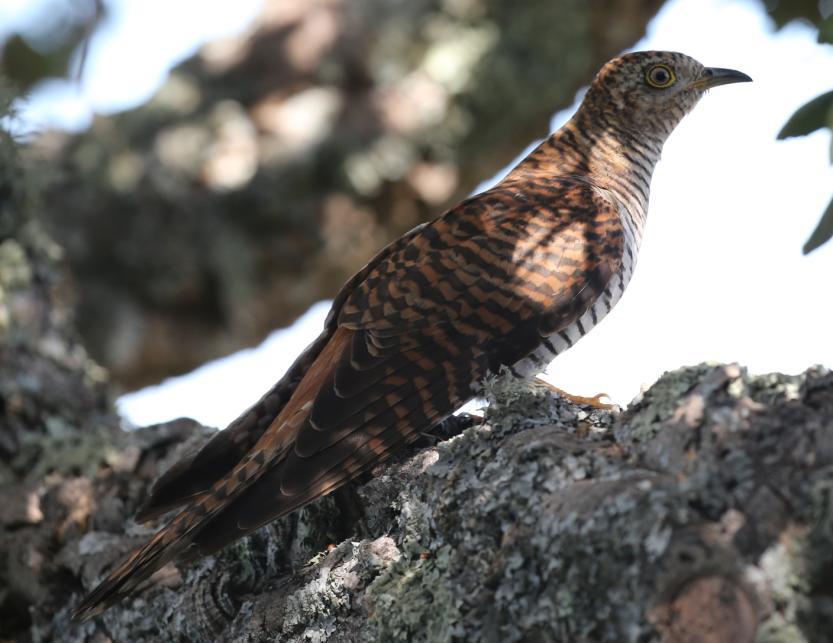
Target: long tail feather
(176, 537)
(122, 582)
(196, 474)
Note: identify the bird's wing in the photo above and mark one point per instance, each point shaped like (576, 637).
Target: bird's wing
(473, 290)
(195, 473)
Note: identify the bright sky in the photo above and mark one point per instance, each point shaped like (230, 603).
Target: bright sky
(130, 56)
(720, 277)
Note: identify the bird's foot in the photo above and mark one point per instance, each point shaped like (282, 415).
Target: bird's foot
(595, 401)
(448, 428)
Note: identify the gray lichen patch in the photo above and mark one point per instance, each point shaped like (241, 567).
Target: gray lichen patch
(312, 610)
(15, 271)
(794, 575)
(661, 401)
(324, 601)
(422, 583)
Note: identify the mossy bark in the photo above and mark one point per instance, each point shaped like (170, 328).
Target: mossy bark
(702, 512)
(56, 420)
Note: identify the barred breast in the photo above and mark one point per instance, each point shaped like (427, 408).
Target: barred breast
(558, 342)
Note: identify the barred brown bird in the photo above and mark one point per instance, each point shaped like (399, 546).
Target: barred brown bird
(510, 277)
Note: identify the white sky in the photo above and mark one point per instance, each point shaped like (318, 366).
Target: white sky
(720, 277)
(129, 57)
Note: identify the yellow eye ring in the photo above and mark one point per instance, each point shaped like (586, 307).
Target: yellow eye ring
(660, 76)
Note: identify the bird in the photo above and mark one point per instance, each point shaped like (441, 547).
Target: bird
(506, 280)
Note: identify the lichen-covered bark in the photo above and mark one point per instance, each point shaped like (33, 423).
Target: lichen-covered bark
(49, 388)
(271, 166)
(56, 422)
(702, 512)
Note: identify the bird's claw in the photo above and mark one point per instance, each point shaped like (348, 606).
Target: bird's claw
(594, 401)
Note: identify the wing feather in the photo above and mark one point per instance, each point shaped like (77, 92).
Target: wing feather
(267, 501)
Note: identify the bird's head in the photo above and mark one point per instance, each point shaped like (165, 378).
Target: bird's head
(651, 91)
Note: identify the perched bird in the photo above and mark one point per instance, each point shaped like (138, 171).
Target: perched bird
(509, 278)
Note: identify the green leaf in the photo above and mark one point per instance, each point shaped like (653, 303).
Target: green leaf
(823, 231)
(784, 11)
(809, 117)
(45, 48)
(826, 31)
(25, 65)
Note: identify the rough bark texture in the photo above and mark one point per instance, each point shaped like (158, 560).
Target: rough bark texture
(271, 166)
(56, 420)
(702, 512)
(54, 404)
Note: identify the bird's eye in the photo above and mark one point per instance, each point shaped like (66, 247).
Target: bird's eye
(660, 77)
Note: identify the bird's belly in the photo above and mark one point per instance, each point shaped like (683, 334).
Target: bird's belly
(563, 339)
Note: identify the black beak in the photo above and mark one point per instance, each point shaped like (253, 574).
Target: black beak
(715, 76)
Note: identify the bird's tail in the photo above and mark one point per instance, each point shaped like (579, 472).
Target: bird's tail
(174, 540)
(178, 536)
(163, 547)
